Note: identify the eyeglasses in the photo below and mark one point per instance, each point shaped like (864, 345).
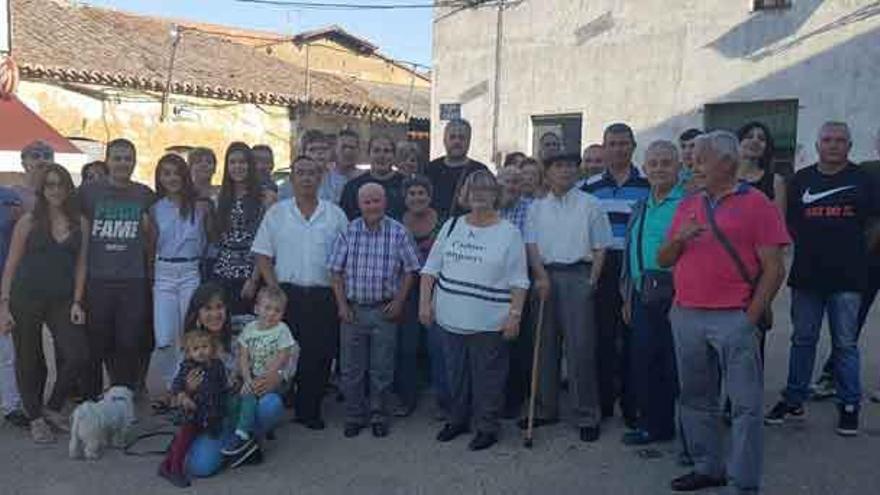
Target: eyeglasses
(37, 155)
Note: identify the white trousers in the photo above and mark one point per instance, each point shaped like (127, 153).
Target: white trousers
(172, 290)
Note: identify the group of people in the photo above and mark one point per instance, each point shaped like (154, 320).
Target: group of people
(654, 286)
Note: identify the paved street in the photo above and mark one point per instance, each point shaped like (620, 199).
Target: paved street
(803, 459)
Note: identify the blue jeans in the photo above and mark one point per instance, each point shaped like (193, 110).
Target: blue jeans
(808, 309)
(204, 457)
(439, 380)
(652, 368)
(406, 370)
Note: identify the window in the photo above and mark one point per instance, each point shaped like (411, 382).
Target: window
(780, 116)
(567, 127)
(770, 4)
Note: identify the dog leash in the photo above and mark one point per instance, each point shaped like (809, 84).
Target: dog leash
(143, 436)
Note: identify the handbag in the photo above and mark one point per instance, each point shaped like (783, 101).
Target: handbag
(765, 323)
(656, 286)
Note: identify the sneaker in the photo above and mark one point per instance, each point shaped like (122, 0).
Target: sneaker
(693, 482)
(824, 388)
(848, 421)
(41, 432)
(782, 411)
(17, 418)
(637, 437)
(57, 420)
(875, 396)
(451, 431)
(252, 454)
(482, 441)
(236, 445)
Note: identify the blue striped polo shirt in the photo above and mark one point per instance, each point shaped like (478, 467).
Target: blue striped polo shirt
(617, 200)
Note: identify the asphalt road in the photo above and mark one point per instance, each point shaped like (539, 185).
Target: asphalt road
(800, 459)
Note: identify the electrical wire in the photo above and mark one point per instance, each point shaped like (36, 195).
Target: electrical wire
(361, 6)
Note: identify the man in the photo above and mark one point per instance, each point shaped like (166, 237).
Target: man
(291, 249)
(549, 146)
(264, 161)
(824, 387)
(514, 209)
(725, 245)
(313, 144)
(449, 172)
(829, 207)
(566, 237)
(116, 244)
(382, 151)
(593, 161)
(10, 400)
(373, 264)
(686, 143)
(34, 158)
(646, 307)
(618, 189)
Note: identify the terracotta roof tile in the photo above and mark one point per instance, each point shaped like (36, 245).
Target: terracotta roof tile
(58, 41)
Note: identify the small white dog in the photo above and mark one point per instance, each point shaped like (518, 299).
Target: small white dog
(95, 424)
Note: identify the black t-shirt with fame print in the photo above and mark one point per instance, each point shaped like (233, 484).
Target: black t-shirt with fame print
(117, 243)
(827, 216)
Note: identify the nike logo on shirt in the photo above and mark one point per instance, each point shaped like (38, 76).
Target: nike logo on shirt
(809, 197)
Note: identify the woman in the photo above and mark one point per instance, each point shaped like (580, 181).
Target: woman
(408, 158)
(532, 179)
(208, 311)
(180, 225)
(647, 294)
(478, 264)
(37, 289)
(94, 172)
(422, 221)
(239, 210)
(202, 165)
(756, 165)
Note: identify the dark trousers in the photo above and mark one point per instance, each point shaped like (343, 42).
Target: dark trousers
(520, 350)
(116, 313)
(176, 456)
(237, 305)
(71, 348)
(406, 369)
(652, 360)
(312, 317)
(476, 366)
(868, 297)
(613, 341)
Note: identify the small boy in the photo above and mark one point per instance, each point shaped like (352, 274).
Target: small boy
(264, 348)
(203, 408)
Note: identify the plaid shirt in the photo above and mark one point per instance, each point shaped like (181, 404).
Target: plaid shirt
(373, 261)
(516, 214)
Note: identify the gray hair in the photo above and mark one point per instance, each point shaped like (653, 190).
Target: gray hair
(837, 124)
(407, 147)
(663, 145)
(724, 143)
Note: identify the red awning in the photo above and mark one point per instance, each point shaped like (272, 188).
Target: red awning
(19, 126)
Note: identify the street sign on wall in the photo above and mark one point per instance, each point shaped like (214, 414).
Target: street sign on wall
(5, 27)
(450, 111)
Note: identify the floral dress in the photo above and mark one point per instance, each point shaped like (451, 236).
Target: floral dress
(235, 261)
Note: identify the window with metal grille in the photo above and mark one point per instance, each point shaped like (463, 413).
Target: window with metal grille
(771, 4)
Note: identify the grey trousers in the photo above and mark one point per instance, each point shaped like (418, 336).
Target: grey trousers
(476, 367)
(709, 342)
(367, 348)
(569, 326)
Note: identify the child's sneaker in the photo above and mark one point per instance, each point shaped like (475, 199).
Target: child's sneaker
(782, 411)
(252, 454)
(848, 421)
(236, 445)
(824, 388)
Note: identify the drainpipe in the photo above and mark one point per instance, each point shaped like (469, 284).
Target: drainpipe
(496, 105)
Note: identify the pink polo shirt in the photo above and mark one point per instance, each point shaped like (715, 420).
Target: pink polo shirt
(705, 275)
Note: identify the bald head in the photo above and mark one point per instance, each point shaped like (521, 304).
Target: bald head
(371, 201)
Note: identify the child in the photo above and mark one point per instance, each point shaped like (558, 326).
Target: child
(203, 408)
(264, 348)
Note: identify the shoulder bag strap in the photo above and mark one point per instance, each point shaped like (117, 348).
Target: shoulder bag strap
(725, 243)
(452, 225)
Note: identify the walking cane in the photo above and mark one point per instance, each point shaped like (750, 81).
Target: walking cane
(536, 358)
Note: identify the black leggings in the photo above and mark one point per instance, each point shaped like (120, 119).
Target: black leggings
(71, 347)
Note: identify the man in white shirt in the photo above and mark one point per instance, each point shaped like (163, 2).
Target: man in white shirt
(291, 247)
(566, 238)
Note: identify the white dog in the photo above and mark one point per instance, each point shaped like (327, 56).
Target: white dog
(95, 424)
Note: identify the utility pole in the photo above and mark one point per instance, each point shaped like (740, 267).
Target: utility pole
(496, 105)
(175, 41)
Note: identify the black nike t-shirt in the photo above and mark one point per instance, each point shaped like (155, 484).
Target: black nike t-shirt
(827, 216)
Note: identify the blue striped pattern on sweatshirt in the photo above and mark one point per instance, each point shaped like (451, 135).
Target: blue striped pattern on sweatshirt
(617, 201)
